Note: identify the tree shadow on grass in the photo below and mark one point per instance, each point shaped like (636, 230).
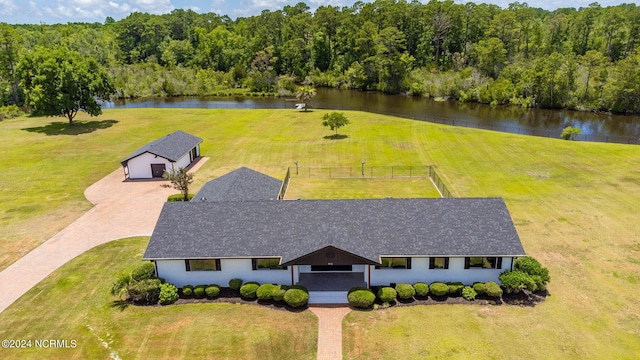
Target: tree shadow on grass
(79, 127)
(336, 137)
(119, 304)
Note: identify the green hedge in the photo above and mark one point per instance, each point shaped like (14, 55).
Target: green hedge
(212, 291)
(455, 288)
(387, 294)
(235, 284)
(168, 294)
(468, 293)
(178, 197)
(422, 289)
(144, 271)
(361, 299)
(296, 297)
(439, 289)
(248, 290)
(492, 289)
(199, 291)
(278, 294)
(265, 291)
(405, 291)
(479, 288)
(146, 291)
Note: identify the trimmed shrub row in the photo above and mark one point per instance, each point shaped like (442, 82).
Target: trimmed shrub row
(294, 296)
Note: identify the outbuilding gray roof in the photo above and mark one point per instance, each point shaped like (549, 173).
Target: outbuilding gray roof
(171, 147)
(367, 228)
(240, 185)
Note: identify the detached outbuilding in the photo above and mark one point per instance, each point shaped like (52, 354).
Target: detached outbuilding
(174, 151)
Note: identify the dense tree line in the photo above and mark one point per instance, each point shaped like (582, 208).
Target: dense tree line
(576, 58)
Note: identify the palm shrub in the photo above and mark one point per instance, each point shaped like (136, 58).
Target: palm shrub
(405, 291)
(438, 289)
(168, 294)
(212, 291)
(492, 289)
(235, 284)
(422, 289)
(361, 299)
(296, 297)
(468, 293)
(387, 294)
(120, 287)
(248, 290)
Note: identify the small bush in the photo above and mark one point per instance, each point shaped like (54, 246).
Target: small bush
(361, 299)
(405, 291)
(531, 266)
(296, 297)
(468, 293)
(187, 291)
(421, 288)
(168, 294)
(265, 291)
(199, 291)
(146, 291)
(278, 294)
(235, 284)
(479, 288)
(439, 289)
(248, 290)
(10, 112)
(299, 287)
(144, 271)
(492, 289)
(455, 288)
(212, 291)
(516, 281)
(387, 294)
(178, 197)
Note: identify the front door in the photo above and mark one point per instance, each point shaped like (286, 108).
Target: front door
(157, 170)
(331, 268)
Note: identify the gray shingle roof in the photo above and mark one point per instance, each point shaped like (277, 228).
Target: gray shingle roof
(368, 228)
(171, 147)
(240, 185)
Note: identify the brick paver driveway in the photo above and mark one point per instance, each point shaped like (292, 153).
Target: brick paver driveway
(122, 209)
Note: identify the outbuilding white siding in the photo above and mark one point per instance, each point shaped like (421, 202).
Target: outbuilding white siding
(140, 166)
(175, 272)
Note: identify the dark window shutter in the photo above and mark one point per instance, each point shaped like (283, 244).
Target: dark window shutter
(466, 262)
(254, 264)
(432, 263)
(218, 268)
(186, 265)
(499, 263)
(408, 263)
(446, 263)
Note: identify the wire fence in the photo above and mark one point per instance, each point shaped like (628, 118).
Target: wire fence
(270, 103)
(364, 171)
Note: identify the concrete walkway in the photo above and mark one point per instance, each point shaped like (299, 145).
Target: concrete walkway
(330, 330)
(122, 209)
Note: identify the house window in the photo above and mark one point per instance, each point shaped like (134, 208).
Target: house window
(203, 265)
(483, 262)
(439, 263)
(267, 264)
(394, 263)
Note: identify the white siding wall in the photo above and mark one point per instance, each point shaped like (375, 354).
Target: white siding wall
(420, 272)
(174, 271)
(140, 166)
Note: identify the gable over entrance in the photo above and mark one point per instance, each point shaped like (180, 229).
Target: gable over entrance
(330, 256)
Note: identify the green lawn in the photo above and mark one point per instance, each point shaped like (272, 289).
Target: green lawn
(74, 304)
(575, 206)
(304, 188)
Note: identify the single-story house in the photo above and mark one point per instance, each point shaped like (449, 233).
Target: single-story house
(174, 151)
(332, 245)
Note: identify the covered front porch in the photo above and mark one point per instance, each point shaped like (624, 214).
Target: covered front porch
(331, 281)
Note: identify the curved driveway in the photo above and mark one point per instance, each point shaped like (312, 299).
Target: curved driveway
(122, 209)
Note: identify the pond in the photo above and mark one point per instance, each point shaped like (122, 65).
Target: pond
(538, 122)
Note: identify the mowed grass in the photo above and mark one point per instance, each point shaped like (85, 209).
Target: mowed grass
(305, 188)
(74, 304)
(574, 204)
